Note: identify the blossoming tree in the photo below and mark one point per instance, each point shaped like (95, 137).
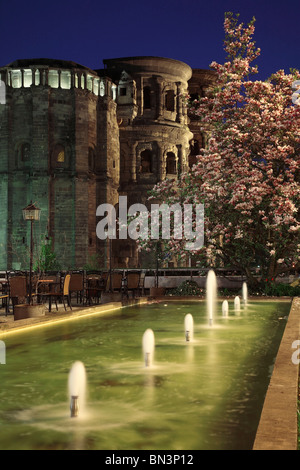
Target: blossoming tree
(248, 177)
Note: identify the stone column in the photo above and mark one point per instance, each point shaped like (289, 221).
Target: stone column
(140, 96)
(161, 170)
(72, 79)
(134, 169)
(159, 97)
(179, 115)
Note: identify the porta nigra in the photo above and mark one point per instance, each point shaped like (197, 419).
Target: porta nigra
(72, 138)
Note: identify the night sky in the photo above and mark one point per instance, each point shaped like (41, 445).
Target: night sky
(89, 31)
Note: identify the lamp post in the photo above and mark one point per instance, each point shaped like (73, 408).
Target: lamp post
(110, 234)
(31, 213)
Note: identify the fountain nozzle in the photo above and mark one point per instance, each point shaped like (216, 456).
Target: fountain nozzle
(74, 406)
(187, 335)
(147, 359)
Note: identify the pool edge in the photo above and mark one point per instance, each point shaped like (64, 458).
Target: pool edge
(278, 429)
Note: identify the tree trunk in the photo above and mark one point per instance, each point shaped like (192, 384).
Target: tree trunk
(253, 282)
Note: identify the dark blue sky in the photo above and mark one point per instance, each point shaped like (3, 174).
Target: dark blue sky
(89, 31)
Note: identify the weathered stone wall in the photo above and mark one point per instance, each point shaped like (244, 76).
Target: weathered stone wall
(153, 130)
(50, 154)
(72, 139)
(199, 85)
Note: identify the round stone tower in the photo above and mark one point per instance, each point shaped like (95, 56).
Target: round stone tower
(154, 134)
(57, 126)
(153, 125)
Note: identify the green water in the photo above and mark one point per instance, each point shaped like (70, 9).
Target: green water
(206, 394)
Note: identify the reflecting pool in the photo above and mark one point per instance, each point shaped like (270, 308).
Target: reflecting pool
(205, 393)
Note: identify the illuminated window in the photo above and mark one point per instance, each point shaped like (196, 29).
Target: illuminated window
(65, 80)
(96, 87)
(89, 83)
(37, 77)
(53, 78)
(58, 156)
(16, 78)
(102, 88)
(27, 78)
(61, 156)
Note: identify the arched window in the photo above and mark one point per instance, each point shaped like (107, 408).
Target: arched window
(170, 100)
(146, 161)
(22, 157)
(91, 159)
(147, 97)
(24, 152)
(194, 147)
(171, 164)
(59, 156)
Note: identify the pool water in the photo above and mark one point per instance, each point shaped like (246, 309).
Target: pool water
(204, 394)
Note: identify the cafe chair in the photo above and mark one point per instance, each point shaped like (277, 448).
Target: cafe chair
(115, 283)
(4, 291)
(63, 294)
(77, 286)
(95, 285)
(18, 290)
(5, 302)
(132, 283)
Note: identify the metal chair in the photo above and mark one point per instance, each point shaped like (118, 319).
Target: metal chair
(4, 291)
(5, 302)
(63, 294)
(133, 283)
(114, 282)
(95, 285)
(17, 289)
(77, 286)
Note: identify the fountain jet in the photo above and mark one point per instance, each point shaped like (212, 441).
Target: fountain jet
(237, 303)
(225, 308)
(189, 327)
(211, 294)
(148, 347)
(245, 292)
(77, 387)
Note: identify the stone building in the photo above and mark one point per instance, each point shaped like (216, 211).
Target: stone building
(72, 138)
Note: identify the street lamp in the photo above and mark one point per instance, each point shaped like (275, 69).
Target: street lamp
(31, 213)
(110, 234)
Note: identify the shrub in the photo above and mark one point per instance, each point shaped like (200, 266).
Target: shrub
(279, 290)
(187, 288)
